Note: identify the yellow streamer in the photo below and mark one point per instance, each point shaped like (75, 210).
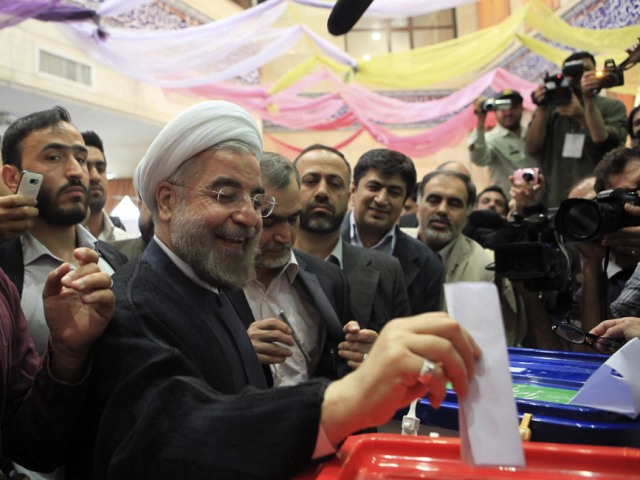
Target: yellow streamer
(471, 53)
(304, 68)
(446, 60)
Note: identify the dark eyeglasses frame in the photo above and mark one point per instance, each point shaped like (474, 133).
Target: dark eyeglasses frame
(585, 335)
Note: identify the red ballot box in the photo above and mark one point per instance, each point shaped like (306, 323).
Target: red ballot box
(396, 457)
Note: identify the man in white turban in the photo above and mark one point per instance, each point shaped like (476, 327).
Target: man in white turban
(178, 391)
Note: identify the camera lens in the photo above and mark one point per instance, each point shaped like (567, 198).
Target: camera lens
(578, 219)
(527, 177)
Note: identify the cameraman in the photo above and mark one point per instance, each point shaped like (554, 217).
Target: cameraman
(619, 168)
(502, 149)
(571, 138)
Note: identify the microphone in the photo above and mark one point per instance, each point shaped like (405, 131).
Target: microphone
(345, 14)
(486, 219)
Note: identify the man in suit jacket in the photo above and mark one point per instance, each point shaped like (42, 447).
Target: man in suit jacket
(298, 304)
(178, 389)
(382, 181)
(446, 198)
(46, 142)
(376, 285)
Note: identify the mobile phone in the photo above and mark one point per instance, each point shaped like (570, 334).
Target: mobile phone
(526, 175)
(29, 183)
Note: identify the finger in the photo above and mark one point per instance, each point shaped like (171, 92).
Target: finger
(270, 360)
(100, 299)
(463, 344)
(88, 281)
(442, 351)
(363, 336)
(351, 327)
(272, 324)
(85, 255)
(351, 355)
(437, 388)
(53, 284)
(275, 353)
(270, 336)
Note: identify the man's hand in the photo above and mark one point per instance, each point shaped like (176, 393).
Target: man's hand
(78, 305)
(523, 194)
(572, 109)
(357, 343)
(627, 239)
(479, 112)
(389, 379)
(626, 328)
(589, 84)
(17, 214)
(265, 335)
(538, 96)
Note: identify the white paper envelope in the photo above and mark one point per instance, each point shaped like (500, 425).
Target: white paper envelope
(615, 393)
(488, 416)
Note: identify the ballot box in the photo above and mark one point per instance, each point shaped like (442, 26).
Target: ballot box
(394, 456)
(543, 383)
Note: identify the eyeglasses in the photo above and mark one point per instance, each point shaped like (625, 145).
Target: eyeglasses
(234, 199)
(578, 336)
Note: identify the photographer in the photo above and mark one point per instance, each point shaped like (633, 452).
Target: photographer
(571, 135)
(620, 169)
(502, 149)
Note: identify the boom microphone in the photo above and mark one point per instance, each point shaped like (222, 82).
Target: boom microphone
(345, 14)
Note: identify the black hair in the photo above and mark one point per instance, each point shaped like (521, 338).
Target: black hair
(580, 56)
(388, 162)
(613, 163)
(469, 185)
(319, 146)
(22, 127)
(91, 139)
(493, 188)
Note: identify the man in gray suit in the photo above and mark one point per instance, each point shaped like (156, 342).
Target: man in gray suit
(376, 284)
(297, 307)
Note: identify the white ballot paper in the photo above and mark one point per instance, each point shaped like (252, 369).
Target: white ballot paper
(488, 417)
(611, 392)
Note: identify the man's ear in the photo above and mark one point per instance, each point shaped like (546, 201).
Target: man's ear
(10, 178)
(166, 200)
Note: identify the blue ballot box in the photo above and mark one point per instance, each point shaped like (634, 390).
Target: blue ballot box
(543, 383)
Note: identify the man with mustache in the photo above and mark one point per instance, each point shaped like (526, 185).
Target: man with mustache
(178, 391)
(445, 200)
(299, 303)
(46, 142)
(382, 181)
(376, 282)
(98, 222)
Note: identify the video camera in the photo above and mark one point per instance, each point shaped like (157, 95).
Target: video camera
(491, 105)
(578, 219)
(532, 253)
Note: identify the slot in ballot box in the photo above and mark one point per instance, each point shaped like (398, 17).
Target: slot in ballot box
(543, 383)
(395, 457)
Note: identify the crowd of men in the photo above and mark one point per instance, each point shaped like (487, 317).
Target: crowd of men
(274, 306)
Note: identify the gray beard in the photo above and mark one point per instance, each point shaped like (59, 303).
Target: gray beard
(273, 263)
(437, 238)
(219, 267)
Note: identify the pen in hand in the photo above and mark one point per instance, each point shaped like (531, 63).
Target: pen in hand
(284, 318)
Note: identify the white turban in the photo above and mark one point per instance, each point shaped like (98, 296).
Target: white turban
(193, 131)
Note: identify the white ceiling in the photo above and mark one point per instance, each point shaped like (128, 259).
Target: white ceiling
(125, 138)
